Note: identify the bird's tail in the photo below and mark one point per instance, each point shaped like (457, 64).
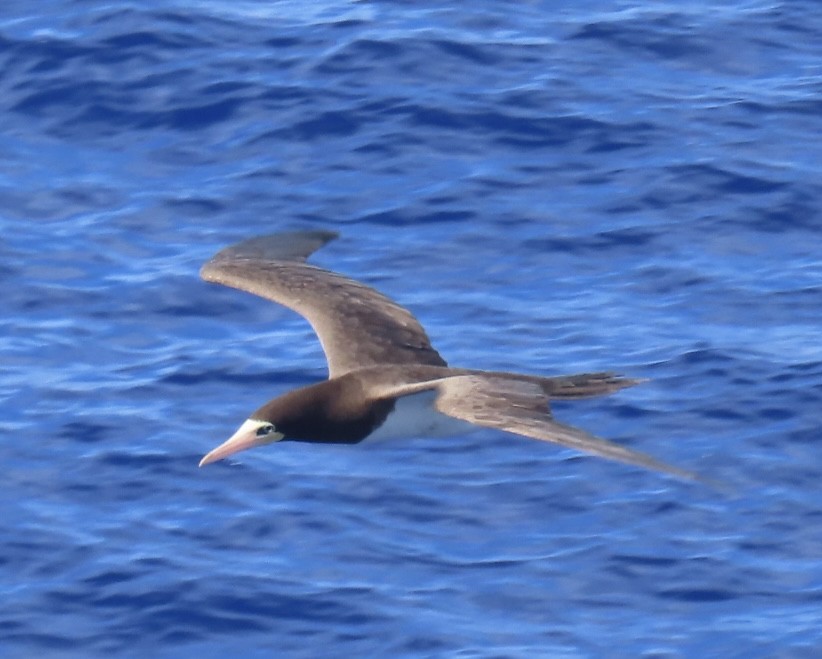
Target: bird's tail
(584, 385)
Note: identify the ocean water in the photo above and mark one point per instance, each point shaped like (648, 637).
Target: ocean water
(551, 187)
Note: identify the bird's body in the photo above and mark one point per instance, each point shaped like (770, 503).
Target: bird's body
(385, 378)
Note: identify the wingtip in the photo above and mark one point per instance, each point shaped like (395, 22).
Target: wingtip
(326, 234)
(284, 246)
(205, 270)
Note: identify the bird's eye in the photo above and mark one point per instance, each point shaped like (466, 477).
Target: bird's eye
(267, 429)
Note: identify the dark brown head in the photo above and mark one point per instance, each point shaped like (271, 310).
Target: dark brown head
(334, 411)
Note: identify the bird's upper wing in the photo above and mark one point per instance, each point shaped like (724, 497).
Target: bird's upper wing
(522, 408)
(357, 326)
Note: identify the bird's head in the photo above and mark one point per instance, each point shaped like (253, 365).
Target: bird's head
(253, 432)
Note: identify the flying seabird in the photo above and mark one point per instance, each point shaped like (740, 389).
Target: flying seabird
(384, 377)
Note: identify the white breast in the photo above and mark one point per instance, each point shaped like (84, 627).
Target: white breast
(415, 416)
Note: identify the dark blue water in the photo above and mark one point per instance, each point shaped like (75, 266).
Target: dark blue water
(551, 187)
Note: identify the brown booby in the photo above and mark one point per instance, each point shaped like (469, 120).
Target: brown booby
(384, 377)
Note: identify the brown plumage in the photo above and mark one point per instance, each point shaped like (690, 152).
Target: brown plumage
(384, 375)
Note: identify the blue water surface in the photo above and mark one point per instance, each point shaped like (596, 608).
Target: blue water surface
(551, 187)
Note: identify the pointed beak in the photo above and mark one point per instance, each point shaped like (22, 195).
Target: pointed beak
(245, 438)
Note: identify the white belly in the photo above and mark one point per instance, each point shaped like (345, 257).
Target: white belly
(415, 416)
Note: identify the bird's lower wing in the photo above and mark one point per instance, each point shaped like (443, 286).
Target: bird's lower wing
(522, 408)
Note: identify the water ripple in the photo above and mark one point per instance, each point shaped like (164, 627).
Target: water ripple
(551, 190)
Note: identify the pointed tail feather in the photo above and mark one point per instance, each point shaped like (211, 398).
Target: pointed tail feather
(585, 385)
